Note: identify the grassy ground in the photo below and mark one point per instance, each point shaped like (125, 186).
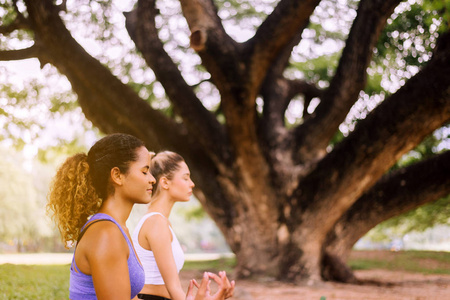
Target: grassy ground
(52, 281)
(424, 262)
(34, 282)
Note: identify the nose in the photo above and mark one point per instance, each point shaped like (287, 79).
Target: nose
(192, 183)
(151, 179)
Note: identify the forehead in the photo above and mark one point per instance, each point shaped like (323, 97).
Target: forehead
(182, 168)
(143, 156)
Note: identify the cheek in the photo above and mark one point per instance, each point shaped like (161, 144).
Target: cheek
(181, 184)
(139, 180)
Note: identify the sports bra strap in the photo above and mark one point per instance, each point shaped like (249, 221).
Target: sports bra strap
(87, 226)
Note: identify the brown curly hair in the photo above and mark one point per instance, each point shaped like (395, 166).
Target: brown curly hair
(82, 182)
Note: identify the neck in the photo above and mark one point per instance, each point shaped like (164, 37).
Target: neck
(162, 205)
(119, 210)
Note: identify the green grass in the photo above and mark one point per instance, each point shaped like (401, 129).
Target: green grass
(425, 262)
(52, 282)
(34, 282)
(222, 264)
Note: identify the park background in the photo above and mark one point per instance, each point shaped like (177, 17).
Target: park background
(42, 122)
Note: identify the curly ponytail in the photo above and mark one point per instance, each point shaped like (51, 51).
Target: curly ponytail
(72, 198)
(82, 182)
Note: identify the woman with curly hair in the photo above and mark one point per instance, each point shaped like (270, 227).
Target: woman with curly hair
(91, 198)
(155, 241)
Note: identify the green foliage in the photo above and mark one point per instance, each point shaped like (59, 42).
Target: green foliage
(426, 149)
(318, 69)
(17, 201)
(192, 212)
(23, 221)
(417, 220)
(64, 148)
(411, 33)
(443, 8)
(34, 282)
(8, 12)
(373, 86)
(7, 16)
(16, 101)
(406, 43)
(247, 12)
(29, 115)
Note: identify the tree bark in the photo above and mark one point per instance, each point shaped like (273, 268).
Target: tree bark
(394, 194)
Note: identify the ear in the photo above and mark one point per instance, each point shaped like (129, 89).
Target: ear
(116, 176)
(164, 183)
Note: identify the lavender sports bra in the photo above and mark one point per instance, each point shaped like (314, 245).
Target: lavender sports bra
(82, 286)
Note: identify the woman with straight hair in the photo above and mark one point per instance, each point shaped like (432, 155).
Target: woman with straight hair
(90, 199)
(156, 243)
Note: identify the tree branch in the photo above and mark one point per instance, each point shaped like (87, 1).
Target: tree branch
(209, 39)
(201, 16)
(200, 122)
(31, 52)
(417, 109)
(277, 93)
(349, 80)
(273, 133)
(394, 194)
(111, 105)
(275, 35)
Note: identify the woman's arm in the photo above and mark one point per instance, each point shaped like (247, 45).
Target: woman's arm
(107, 254)
(159, 237)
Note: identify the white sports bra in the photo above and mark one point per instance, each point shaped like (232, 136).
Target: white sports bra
(147, 258)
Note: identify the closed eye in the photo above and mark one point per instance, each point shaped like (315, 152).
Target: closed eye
(145, 170)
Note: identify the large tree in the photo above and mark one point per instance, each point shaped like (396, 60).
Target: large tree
(290, 199)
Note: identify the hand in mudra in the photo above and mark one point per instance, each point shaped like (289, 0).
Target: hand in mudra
(225, 287)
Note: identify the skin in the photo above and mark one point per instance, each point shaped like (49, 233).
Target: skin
(156, 236)
(103, 251)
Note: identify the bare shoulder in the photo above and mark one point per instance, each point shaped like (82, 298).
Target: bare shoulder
(102, 243)
(106, 241)
(156, 227)
(156, 220)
